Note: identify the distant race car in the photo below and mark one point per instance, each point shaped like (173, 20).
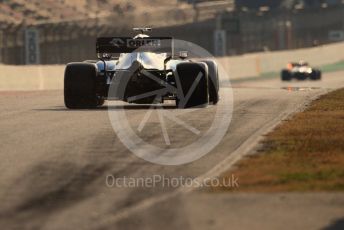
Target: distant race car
(300, 71)
(145, 71)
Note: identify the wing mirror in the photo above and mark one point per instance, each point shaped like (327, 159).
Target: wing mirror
(183, 54)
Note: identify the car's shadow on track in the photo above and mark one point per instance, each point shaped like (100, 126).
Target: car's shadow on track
(110, 107)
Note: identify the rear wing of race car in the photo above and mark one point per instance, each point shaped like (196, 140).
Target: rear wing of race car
(129, 45)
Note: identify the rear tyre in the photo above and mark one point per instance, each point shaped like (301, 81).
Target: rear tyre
(80, 86)
(285, 75)
(194, 85)
(315, 75)
(319, 75)
(213, 81)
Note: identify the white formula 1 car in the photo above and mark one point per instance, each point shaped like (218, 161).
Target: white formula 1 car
(300, 71)
(145, 71)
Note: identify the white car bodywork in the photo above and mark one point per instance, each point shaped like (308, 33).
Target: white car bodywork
(302, 69)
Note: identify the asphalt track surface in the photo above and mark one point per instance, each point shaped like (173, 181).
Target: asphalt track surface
(54, 161)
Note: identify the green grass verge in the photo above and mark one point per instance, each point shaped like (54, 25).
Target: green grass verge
(339, 66)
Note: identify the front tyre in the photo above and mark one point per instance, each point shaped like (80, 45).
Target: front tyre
(80, 86)
(193, 79)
